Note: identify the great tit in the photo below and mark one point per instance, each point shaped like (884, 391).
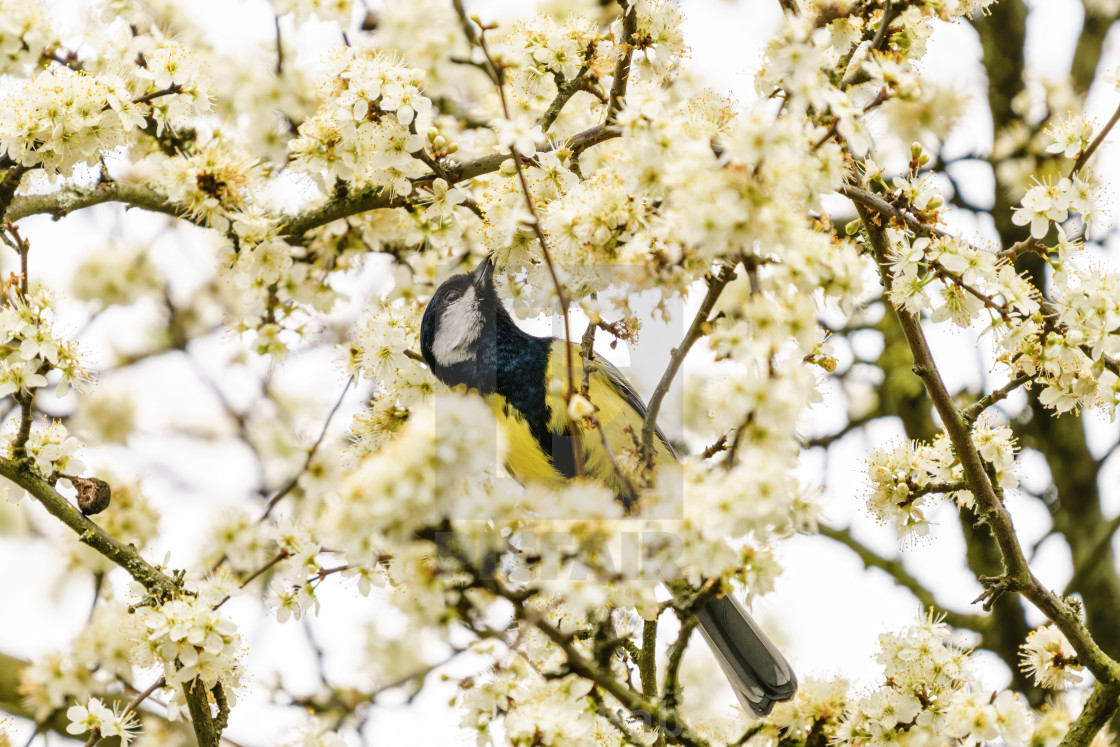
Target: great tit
(468, 338)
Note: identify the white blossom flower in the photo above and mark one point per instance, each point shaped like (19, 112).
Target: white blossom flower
(290, 602)
(521, 134)
(1071, 136)
(1042, 204)
(1048, 657)
(95, 715)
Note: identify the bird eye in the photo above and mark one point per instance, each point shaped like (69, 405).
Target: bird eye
(453, 296)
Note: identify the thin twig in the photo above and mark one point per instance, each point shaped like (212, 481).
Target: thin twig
(539, 233)
(716, 284)
(147, 98)
(141, 697)
(1088, 153)
(973, 411)
(716, 447)
(282, 555)
(291, 484)
(279, 49)
(565, 89)
(585, 352)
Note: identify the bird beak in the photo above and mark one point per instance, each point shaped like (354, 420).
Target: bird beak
(482, 276)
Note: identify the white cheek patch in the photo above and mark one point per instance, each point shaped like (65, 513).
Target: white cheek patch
(459, 326)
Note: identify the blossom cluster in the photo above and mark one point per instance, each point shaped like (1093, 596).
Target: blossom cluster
(959, 282)
(34, 348)
(429, 34)
(291, 592)
(287, 548)
(551, 50)
(364, 131)
(24, 32)
(928, 695)
(658, 39)
(905, 476)
(416, 480)
(180, 71)
(1051, 202)
(188, 639)
(1068, 347)
(532, 706)
(62, 118)
(51, 449)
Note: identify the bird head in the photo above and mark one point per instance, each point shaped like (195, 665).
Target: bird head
(458, 330)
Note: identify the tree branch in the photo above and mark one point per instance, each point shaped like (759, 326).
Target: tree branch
(636, 703)
(647, 661)
(373, 198)
(8, 186)
(68, 199)
(198, 703)
(1016, 573)
(1096, 713)
(622, 67)
(565, 89)
(672, 695)
(148, 197)
(126, 556)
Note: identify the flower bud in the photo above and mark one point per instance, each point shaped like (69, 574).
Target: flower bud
(579, 407)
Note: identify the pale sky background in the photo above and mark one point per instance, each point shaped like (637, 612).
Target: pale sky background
(826, 611)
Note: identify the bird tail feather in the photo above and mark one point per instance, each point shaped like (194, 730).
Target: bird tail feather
(759, 674)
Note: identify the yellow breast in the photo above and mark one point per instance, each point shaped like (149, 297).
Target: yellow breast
(605, 451)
